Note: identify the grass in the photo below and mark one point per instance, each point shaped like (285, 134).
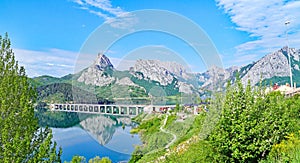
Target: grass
(170, 120)
(152, 156)
(200, 151)
(155, 140)
(286, 151)
(150, 126)
(188, 128)
(181, 130)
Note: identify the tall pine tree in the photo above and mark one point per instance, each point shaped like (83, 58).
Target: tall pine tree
(21, 139)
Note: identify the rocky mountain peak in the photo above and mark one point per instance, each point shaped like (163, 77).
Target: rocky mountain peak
(163, 72)
(96, 73)
(102, 62)
(216, 77)
(273, 64)
(149, 67)
(153, 70)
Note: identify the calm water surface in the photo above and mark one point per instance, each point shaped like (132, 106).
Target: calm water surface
(104, 140)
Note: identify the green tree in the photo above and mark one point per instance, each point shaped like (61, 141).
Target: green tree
(97, 159)
(136, 156)
(250, 123)
(177, 107)
(78, 159)
(21, 139)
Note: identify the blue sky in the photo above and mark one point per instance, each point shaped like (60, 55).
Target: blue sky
(47, 36)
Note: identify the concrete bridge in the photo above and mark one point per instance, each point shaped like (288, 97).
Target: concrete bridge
(113, 109)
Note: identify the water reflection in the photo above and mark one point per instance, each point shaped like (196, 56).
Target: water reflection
(98, 135)
(100, 127)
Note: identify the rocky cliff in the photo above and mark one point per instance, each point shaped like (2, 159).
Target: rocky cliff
(165, 73)
(272, 65)
(216, 77)
(153, 70)
(98, 73)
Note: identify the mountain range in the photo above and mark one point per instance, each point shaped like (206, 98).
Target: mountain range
(272, 68)
(156, 78)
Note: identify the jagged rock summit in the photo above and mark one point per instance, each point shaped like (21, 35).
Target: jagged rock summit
(96, 74)
(102, 62)
(273, 64)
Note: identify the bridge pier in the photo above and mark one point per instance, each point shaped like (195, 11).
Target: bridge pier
(96, 109)
(140, 110)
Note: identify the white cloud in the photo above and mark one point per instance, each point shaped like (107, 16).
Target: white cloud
(265, 23)
(54, 62)
(100, 14)
(115, 16)
(104, 5)
(124, 21)
(78, 2)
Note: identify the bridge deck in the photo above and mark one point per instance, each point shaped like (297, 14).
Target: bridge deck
(122, 110)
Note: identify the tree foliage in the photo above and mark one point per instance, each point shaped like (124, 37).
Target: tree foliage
(21, 139)
(251, 122)
(97, 159)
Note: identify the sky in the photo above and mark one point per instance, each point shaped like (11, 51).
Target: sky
(51, 37)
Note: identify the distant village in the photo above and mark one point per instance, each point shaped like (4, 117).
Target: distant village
(186, 108)
(286, 89)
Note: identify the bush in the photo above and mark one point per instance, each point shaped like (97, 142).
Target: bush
(251, 122)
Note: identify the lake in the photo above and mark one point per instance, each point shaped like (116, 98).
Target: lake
(101, 136)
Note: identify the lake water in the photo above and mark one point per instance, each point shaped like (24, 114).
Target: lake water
(97, 136)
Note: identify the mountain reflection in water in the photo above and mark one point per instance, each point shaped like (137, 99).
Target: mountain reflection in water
(100, 127)
(99, 135)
